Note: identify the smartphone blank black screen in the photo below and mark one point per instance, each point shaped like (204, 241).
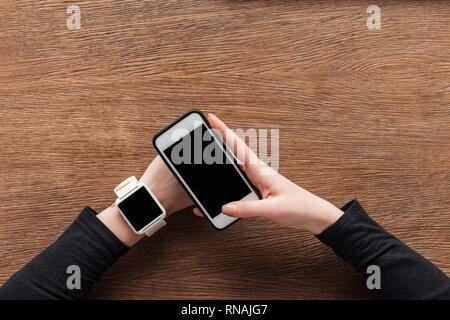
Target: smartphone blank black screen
(214, 184)
(140, 208)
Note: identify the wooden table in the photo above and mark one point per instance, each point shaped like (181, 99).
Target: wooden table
(361, 113)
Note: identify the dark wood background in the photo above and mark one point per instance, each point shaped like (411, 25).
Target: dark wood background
(361, 113)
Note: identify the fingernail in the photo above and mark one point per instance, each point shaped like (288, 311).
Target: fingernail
(211, 115)
(229, 209)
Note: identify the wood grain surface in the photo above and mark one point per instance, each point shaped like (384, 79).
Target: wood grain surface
(361, 113)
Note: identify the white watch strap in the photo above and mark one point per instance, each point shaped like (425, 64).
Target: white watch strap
(155, 227)
(126, 186)
(129, 185)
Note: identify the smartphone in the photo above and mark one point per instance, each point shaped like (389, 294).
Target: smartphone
(204, 166)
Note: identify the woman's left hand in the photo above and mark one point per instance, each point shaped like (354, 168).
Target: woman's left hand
(165, 186)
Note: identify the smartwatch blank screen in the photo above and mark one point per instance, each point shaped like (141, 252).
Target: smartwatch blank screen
(140, 208)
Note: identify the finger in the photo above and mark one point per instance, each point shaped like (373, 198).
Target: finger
(197, 212)
(234, 143)
(249, 161)
(248, 208)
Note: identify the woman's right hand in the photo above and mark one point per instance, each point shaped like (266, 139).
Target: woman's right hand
(283, 201)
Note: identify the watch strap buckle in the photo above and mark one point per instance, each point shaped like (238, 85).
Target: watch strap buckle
(126, 186)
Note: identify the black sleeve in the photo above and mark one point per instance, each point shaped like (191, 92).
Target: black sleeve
(405, 274)
(87, 243)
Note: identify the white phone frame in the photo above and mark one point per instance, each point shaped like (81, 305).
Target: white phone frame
(185, 126)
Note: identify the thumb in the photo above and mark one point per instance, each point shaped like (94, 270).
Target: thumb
(247, 208)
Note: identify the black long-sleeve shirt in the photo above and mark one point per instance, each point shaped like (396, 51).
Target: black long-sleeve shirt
(355, 237)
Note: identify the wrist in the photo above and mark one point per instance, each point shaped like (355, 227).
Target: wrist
(114, 221)
(165, 187)
(163, 195)
(325, 221)
(325, 215)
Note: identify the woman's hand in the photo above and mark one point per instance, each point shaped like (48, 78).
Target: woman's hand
(283, 201)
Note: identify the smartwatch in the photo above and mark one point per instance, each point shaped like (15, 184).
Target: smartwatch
(139, 206)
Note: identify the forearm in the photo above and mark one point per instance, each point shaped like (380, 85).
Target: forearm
(93, 242)
(405, 274)
(87, 243)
